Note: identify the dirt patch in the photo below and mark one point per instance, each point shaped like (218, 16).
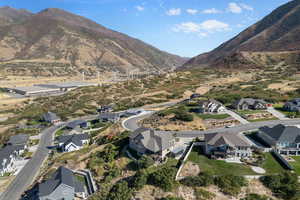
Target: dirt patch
(168, 123)
(284, 87)
(190, 169)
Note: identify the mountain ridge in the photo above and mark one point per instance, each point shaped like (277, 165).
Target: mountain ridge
(276, 32)
(56, 42)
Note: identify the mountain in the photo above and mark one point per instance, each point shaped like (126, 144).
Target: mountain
(56, 42)
(272, 40)
(10, 15)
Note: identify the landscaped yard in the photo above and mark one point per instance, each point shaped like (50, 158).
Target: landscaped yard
(213, 116)
(219, 167)
(289, 114)
(271, 165)
(256, 115)
(296, 164)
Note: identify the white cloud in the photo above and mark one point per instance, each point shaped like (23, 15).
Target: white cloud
(203, 29)
(140, 8)
(211, 11)
(234, 8)
(192, 11)
(246, 7)
(174, 11)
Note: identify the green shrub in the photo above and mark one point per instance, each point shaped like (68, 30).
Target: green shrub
(145, 162)
(139, 180)
(202, 180)
(256, 197)
(284, 185)
(120, 191)
(202, 194)
(230, 184)
(163, 178)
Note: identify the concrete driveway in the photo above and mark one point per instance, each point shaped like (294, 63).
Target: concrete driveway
(276, 113)
(236, 116)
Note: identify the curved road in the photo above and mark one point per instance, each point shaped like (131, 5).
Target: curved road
(132, 124)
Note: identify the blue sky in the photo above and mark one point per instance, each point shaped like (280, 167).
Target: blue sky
(182, 27)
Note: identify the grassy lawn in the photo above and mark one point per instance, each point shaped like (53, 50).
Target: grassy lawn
(271, 165)
(263, 119)
(245, 112)
(296, 164)
(288, 114)
(219, 167)
(213, 116)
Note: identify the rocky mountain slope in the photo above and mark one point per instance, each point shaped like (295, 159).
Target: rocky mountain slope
(274, 39)
(56, 42)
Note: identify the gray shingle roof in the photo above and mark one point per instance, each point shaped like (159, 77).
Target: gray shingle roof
(18, 139)
(281, 133)
(231, 139)
(7, 151)
(76, 138)
(61, 176)
(50, 116)
(75, 123)
(152, 140)
(249, 101)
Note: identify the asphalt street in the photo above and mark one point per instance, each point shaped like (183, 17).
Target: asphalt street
(29, 172)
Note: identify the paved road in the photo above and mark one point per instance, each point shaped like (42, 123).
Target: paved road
(276, 113)
(29, 172)
(131, 124)
(236, 116)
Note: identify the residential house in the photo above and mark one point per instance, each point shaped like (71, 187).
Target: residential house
(63, 185)
(210, 106)
(109, 117)
(293, 105)
(156, 143)
(105, 109)
(284, 139)
(20, 139)
(8, 155)
(250, 104)
(68, 143)
(78, 123)
(51, 117)
(226, 145)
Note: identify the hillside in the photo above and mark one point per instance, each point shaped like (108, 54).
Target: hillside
(275, 38)
(56, 42)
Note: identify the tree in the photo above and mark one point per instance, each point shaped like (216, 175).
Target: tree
(139, 180)
(285, 185)
(230, 184)
(120, 191)
(202, 180)
(109, 153)
(145, 162)
(184, 116)
(163, 178)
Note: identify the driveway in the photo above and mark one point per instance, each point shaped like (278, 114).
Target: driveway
(276, 113)
(236, 116)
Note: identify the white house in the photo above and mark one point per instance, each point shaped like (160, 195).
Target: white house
(68, 143)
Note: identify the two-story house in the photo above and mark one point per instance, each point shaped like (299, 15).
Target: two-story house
(250, 104)
(284, 139)
(226, 145)
(68, 143)
(63, 185)
(210, 106)
(149, 141)
(293, 105)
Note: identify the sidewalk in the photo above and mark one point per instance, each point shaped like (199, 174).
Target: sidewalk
(236, 116)
(276, 113)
